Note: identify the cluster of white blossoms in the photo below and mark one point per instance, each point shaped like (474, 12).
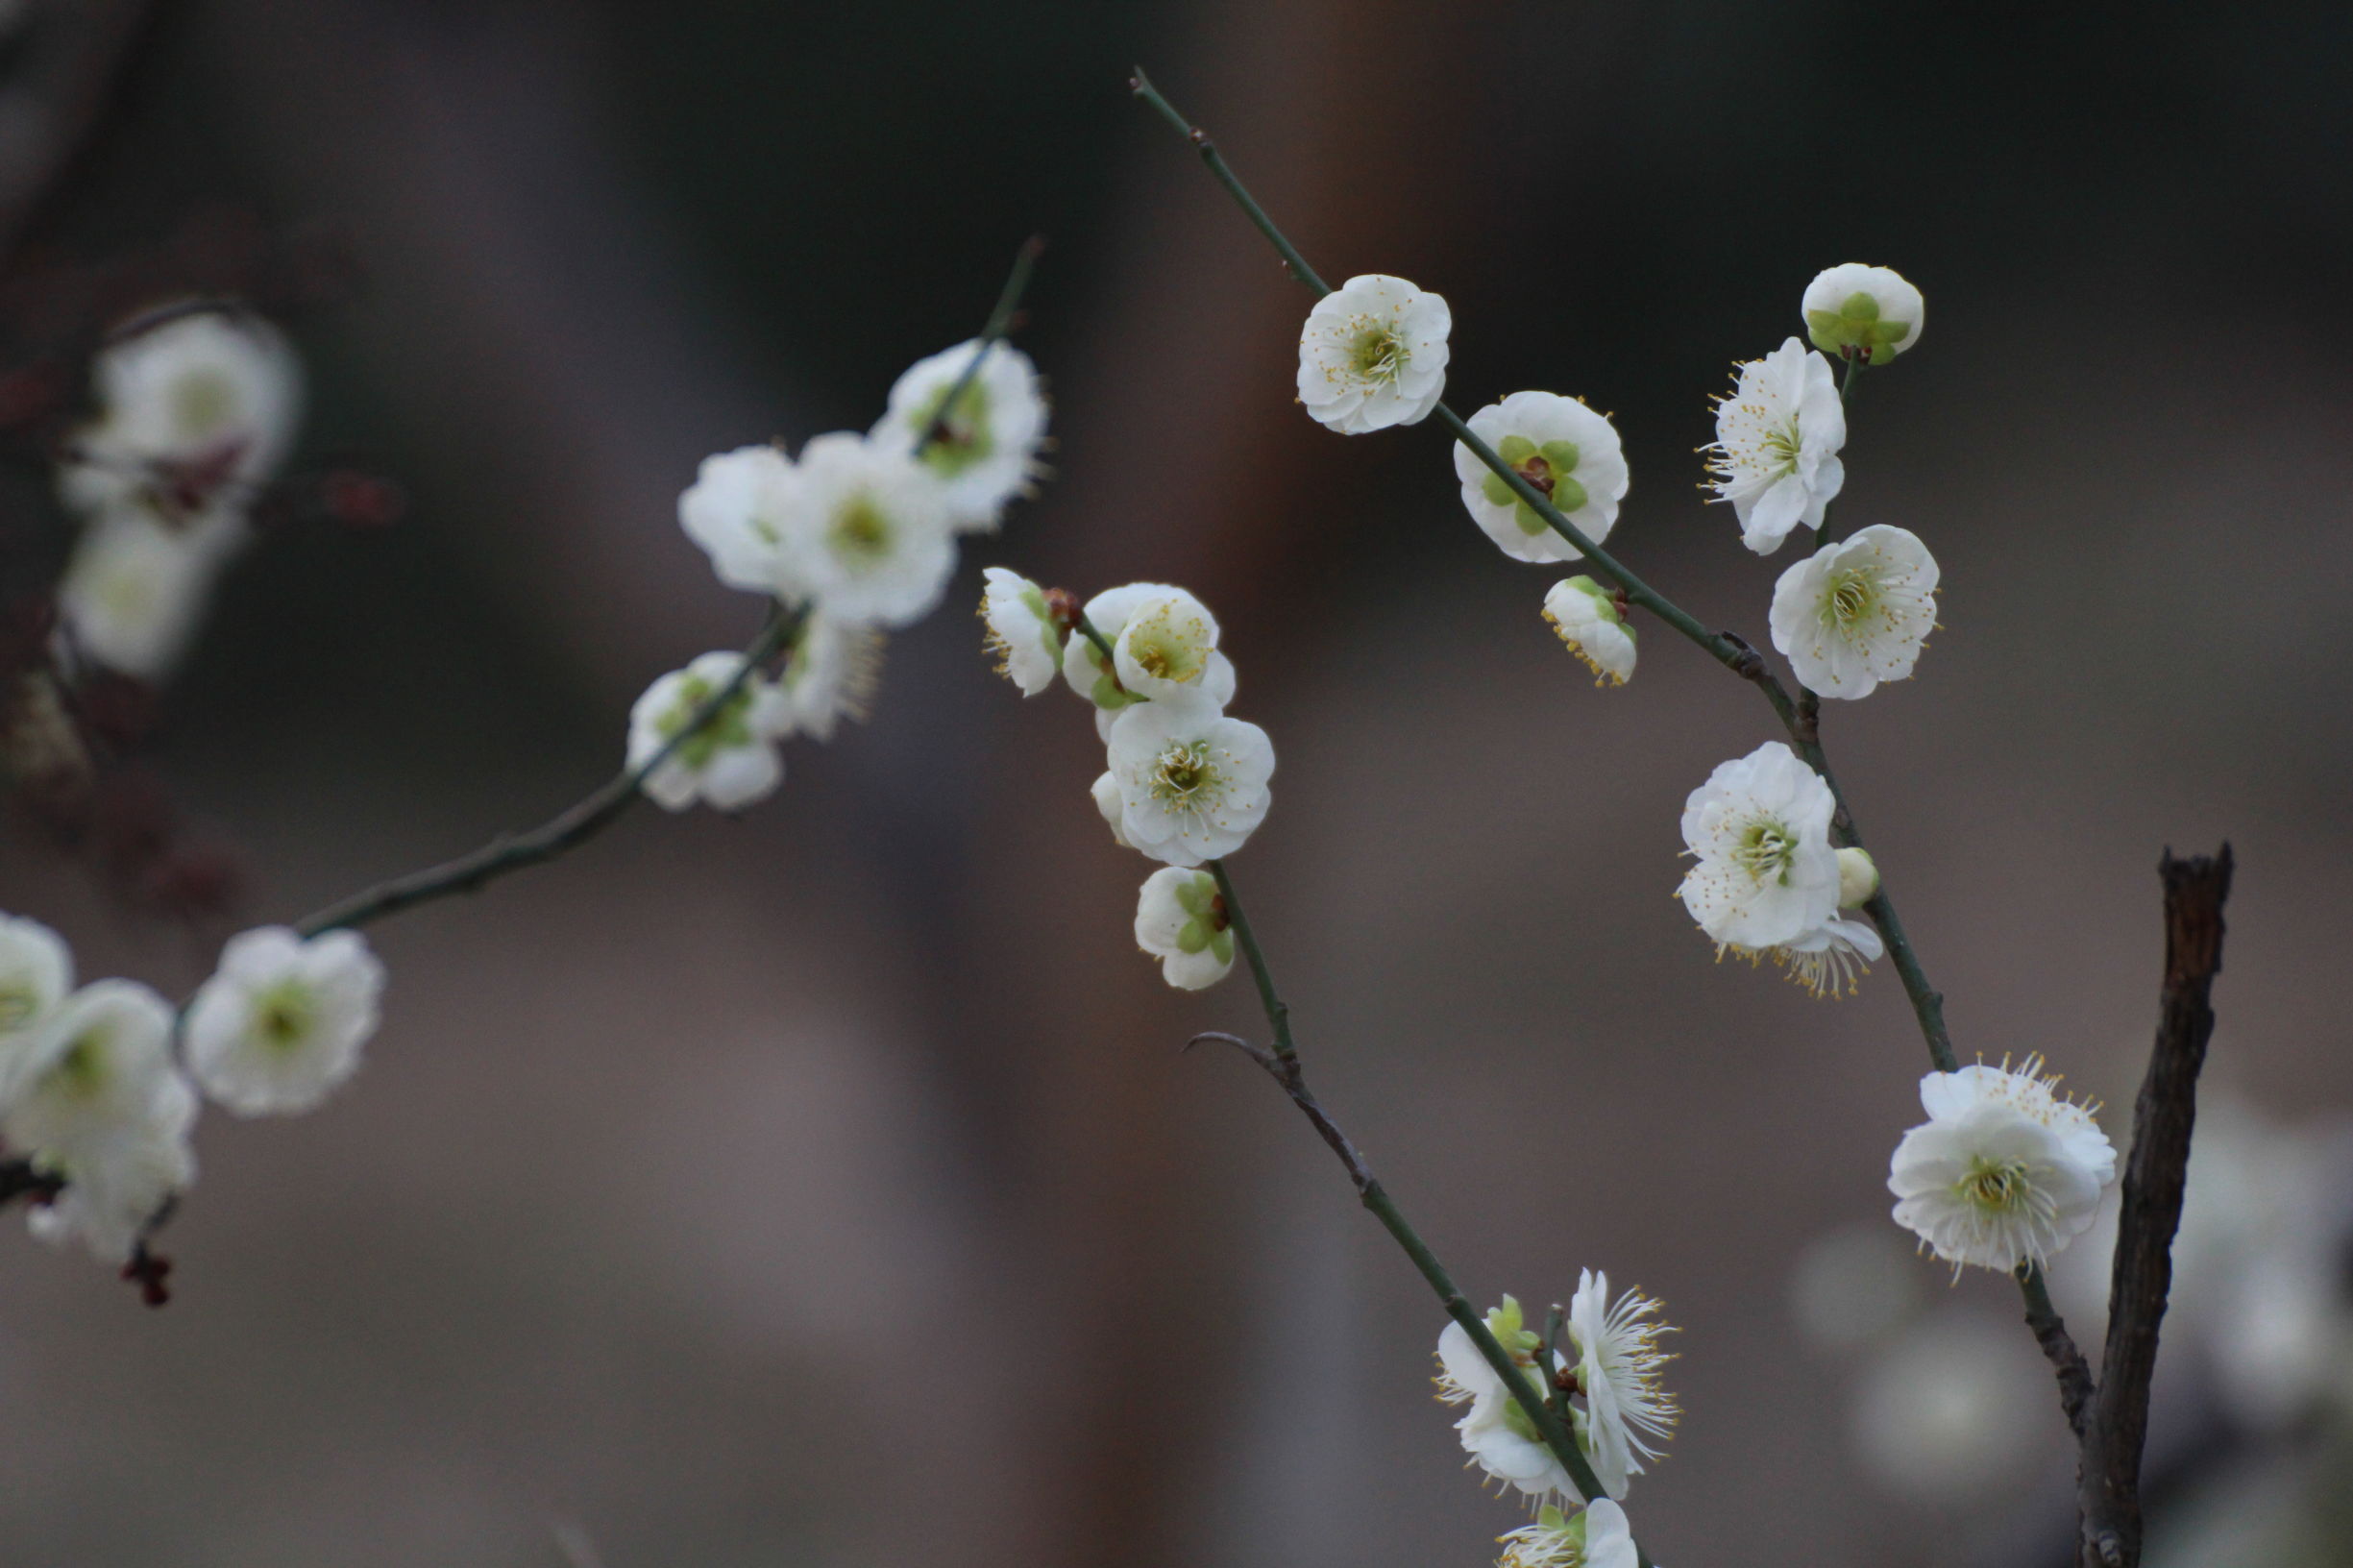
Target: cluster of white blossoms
(855, 536)
(94, 1096)
(196, 413)
(1858, 611)
(1608, 1396)
(2005, 1173)
(1184, 783)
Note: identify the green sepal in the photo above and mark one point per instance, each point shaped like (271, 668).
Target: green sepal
(1195, 891)
(1193, 937)
(1497, 490)
(1222, 945)
(1859, 308)
(1515, 450)
(1563, 455)
(1109, 693)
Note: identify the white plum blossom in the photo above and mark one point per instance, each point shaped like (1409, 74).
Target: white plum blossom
(1192, 783)
(738, 510)
(1760, 829)
(731, 760)
(195, 414)
(1166, 649)
(1857, 612)
(1618, 1371)
(96, 1100)
(1870, 313)
(137, 586)
(1586, 616)
(1564, 451)
(831, 674)
(1496, 1432)
(1597, 1536)
(1373, 354)
(1097, 678)
(1022, 632)
(2005, 1171)
(37, 972)
(1777, 438)
(281, 1022)
(1179, 919)
(1108, 801)
(866, 538)
(985, 453)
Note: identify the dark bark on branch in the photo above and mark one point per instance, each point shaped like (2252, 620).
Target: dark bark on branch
(2075, 1388)
(2109, 1485)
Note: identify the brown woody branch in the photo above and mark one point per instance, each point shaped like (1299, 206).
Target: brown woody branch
(2109, 1483)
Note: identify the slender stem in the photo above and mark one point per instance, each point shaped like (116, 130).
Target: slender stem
(1142, 87)
(1850, 372)
(1798, 717)
(2074, 1373)
(567, 830)
(1102, 642)
(1282, 1064)
(1278, 1010)
(1001, 322)
(589, 817)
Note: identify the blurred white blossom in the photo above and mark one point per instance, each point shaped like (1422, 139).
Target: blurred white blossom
(1373, 354)
(731, 761)
(831, 676)
(738, 510)
(281, 1022)
(986, 449)
(1953, 1407)
(136, 587)
(37, 972)
(96, 1099)
(867, 535)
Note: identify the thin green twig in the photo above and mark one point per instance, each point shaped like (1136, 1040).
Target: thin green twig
(1727, 649)
(1282, 1064)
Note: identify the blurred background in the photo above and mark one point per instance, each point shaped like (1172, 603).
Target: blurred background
(826, 1187)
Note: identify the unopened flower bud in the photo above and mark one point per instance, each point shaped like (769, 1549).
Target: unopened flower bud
(1858, 879)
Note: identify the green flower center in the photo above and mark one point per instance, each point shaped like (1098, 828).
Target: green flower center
(1377, 354)
(964, 436)
(861, 533)
(1765, 851)
(285, 1015)
(1999, 1185)
(202, 403)
(18, 1003)
(1180, 773)
(729, 726)
(81, 1070)
(1854, 594)
(1545, 469)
